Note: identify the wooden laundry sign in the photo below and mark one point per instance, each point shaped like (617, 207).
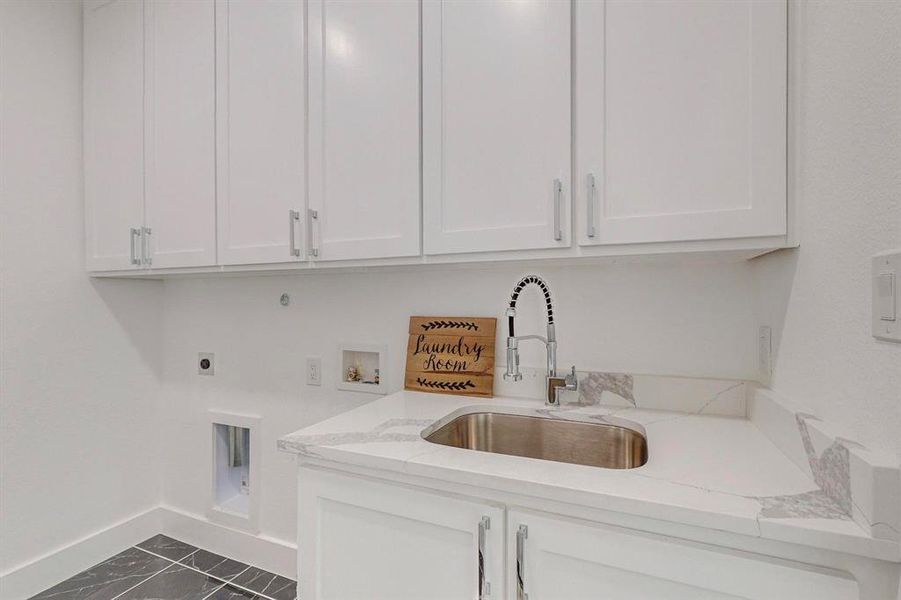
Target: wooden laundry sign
(451, 355)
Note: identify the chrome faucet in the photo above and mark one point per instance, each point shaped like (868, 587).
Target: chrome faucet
(554, 383)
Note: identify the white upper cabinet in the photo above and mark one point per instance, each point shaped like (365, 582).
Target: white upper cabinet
(364, 129)
(180, 167)
(496, 125)
(680, 120)
(252, 132)
(113, 133)
(260, 128)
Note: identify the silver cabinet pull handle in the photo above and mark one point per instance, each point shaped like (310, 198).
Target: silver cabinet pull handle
(133, 233)
(145, 246)
(312, 217)
(293, 217)
(521, 534)
(589, 206)
(484, 586)
(558, 206)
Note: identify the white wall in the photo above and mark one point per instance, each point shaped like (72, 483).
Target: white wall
(696, 320)
(817, 298)
(78, 361)
(691, 320)
(82, 360)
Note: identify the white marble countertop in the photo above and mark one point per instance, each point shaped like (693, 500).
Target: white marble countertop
(714, 472)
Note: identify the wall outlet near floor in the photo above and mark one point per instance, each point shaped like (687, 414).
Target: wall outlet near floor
(314, 370)
(764, 354)
(206, 364)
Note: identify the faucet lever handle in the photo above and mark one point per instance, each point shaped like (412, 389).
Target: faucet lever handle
(572, 379)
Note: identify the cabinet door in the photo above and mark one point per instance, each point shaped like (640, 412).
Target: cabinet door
(260, 114)
(180, 132)
(364, 128)
(680, 120)
(113, 132)
(496, 125)
(574, 560)
(362, 539)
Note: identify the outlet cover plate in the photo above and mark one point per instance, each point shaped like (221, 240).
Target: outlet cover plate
(314, 370)
(886, 289)
(764, 354)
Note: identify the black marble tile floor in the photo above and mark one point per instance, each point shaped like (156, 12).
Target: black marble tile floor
(162, 568)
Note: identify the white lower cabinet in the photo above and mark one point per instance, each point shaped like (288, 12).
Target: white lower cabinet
(361, 538)
(574, 560)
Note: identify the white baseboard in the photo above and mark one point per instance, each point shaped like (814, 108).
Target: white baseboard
(269, 553)
(28, 579)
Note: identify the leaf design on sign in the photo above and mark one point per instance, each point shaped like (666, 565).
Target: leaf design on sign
(445, 385)
(450, 325)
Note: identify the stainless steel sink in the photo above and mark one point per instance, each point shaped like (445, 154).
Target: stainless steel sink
(577, 442)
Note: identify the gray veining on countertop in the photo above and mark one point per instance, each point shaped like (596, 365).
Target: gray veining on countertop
(705, 470)
(306, 444)
(594, 384)
(831, 469)
(807, 505)
(693, 395)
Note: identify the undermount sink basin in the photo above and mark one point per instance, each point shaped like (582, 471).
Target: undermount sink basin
(577, 442)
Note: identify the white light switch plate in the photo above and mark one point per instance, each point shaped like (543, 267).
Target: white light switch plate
(886, 287)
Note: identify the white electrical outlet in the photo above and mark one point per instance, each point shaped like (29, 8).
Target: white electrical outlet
(886, 284)
(314, 370)
(764, 354)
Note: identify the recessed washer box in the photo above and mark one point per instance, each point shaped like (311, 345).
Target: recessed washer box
(234, 454)
(370, 364)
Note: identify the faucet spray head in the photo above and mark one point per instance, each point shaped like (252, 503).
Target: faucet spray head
(512, 373)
